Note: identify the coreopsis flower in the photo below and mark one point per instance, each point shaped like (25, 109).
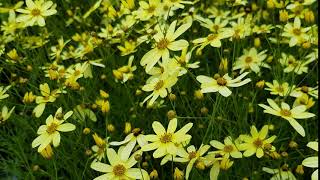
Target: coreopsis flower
(312, 91)
(131, 140)
(125, 73)
(312, 162)
(240, 29)
(214, 39)
(192, 156)
(280, 174)
(227, 149)
(165, 42)
(298, 112)
(148, 9)
(304, 99)
(160, 86)
(47, 96)
(282, 89)
(183, 62)
(295, 33)
(166, 141)
(252, 60)
(216, 26)
(9, 27)
(57, 50)
(257, 142)
(100, 148)
(292, 65)
(5, 114)
(120, 167)
(36, 12)
(49, 133)
(221, 84)
(3, 90)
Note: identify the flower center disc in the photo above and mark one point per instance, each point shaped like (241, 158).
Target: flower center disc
(35, 12)
(119, 170)
(258, 143)
(248, 59)
(228, 148)
(221, 81)
(296, 31)
(159, 85)
(211, 37)
(162, 44)
(52, 128)
(192, 154)
(166, 138)
(285, 112)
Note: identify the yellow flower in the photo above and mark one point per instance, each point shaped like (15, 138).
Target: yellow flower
(47, 96)
(221, 84)
(214, 39)
(298, 112)
(5, 114)
(131, 140)
(3, 91)
(47, 152)
(148, 9)
(100, 147)
(282, 89)
(252, 60)
(279, 173)
(36, 11)
(10, 26)
(304, 99)
(312, 161)
(257, 142)
(227, 149)
(164, 43)
(192, 156)
(49, 133)
(120, 167)
(296, 34)
(160, 86)
(166, 141)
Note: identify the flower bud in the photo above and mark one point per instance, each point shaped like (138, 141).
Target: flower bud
(154, 174)
(110, 128)
(178, 174)
(171, 114)
(293, 144)
(86, 131)
(127, 127)
(299, 169)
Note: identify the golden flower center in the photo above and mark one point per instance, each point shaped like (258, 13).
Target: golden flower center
(151, 9)
(35, 12)
(162, 44)
(136, 131)
(192, 154)
(216, 27)
(296, 31)
(258, 143)
(159, 85)
(212, 37)
(279, 89)
(304, 89)
(119, 170)
(228, 148)
(221, 81)
(52, 128)
(285, 112)
(166, 138)
(248, 59)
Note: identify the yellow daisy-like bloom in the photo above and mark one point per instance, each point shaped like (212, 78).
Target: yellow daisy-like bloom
(100, 147)
(221, 84)
(279, 174)
(120, 166)
(47, 96)
(214, 39)
(298, 112)
(36, 11)
(49, 133)
(164, 43)
(192, 156)
(3, 90)
(296, 34)
(5, 114)
(312, 162)
(227, 149)
(166, 141)
(160, 86)
(257, 143)
(282, 89)
(252, 60)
